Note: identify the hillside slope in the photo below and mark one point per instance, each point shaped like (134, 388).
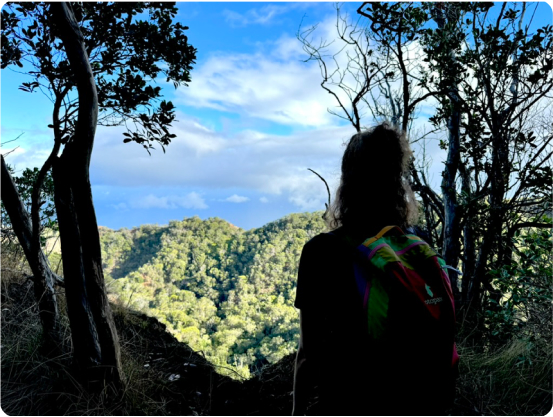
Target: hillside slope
(224, 291)
(164, 376)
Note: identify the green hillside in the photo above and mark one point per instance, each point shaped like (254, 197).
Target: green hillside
(226, 292)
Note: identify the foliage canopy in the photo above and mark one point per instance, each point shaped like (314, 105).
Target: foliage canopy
(129, 45)
(226, 292)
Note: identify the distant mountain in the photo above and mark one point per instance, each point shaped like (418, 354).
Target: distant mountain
(226, 292)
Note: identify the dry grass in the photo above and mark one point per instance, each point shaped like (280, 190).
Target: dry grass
(512, 379)
(35, 384)
(515, 379)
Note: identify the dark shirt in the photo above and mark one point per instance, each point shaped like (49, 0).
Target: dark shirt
(351, 376)
(333, 326)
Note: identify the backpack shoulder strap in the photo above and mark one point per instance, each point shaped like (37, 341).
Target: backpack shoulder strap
(382, 233)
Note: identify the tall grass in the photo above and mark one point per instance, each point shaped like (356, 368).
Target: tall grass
(510, 376)
(32, 383)
(515, 379)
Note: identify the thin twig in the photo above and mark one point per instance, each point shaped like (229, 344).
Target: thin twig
(12, 140)
(9, 152)
(327, 189)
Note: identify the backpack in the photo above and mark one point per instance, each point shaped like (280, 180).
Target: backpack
(410, 320)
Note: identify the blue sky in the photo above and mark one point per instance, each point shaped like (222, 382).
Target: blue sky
(251, 122)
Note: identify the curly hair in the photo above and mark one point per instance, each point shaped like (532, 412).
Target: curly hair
(374, 189)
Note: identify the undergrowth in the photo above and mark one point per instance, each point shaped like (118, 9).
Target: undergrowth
(515, 379)
(33, 383)
(165, 377)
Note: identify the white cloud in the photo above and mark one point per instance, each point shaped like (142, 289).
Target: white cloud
(209, 142)
(269, 85)
(25, 156)
(286, 48)
(248, 160)
(306, 204)
(275, 83)
(256, 16)
(12, 151)
(235, 198)
(309, 193)
(191, 200)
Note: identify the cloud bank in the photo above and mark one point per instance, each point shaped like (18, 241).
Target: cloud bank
(248, 160)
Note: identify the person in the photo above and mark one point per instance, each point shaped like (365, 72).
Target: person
(333, 373)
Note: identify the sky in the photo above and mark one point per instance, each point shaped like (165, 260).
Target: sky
(251, 122)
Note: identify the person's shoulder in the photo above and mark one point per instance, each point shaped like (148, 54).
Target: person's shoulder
(321, 238)
(324, 242)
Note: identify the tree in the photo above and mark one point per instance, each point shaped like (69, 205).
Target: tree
(24, 184)
(43, 277)
(243, 299)
(489, 83)
(18, 193)
(502, 77)
(96, 62)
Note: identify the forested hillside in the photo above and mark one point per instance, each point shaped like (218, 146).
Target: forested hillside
(226, 292)
(232, 301)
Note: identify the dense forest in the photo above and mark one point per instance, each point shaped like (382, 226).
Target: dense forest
(226, 292)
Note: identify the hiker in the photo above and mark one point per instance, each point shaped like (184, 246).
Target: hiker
(350, 360)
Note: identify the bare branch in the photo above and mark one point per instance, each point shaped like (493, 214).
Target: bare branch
(327, 189)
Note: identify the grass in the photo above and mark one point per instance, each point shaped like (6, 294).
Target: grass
(512, 377)
(35, 384)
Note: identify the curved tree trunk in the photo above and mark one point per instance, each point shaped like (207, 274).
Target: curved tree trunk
(93, 331)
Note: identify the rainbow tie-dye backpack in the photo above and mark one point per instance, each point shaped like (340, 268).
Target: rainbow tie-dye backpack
(410, 315)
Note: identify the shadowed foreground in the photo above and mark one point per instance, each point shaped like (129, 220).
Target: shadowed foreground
(166, 377)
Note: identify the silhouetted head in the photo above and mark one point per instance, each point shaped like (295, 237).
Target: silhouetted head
(374, 189)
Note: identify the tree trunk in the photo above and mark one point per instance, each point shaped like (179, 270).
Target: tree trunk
(492, 236)
(452, 230)
(93, 330)
(452, 224)
(86, 348)
(469, 240)
(43, 277)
